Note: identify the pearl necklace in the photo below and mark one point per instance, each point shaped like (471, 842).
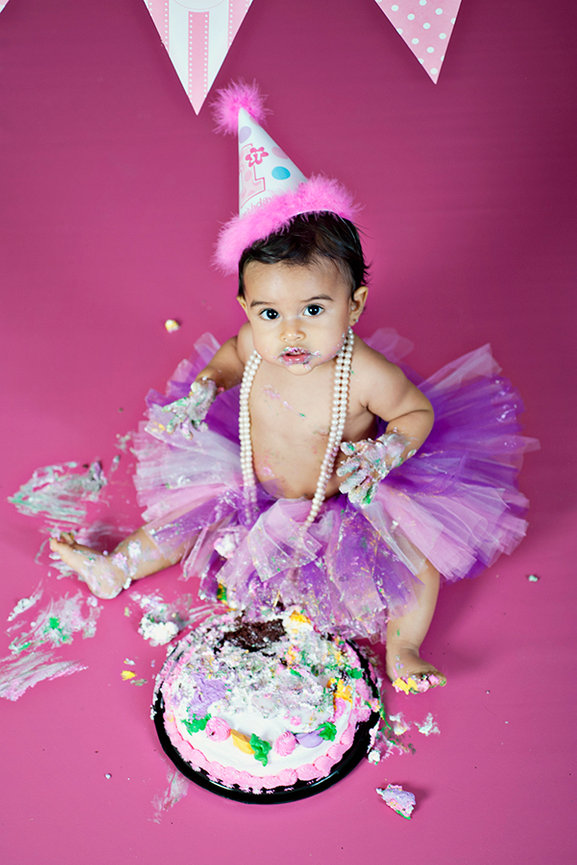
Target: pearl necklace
(338, 419)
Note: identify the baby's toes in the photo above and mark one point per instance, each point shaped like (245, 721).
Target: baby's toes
(419, 683)
(68, 538)
(56, 545)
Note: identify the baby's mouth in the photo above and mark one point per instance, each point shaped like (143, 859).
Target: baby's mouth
(293, 354)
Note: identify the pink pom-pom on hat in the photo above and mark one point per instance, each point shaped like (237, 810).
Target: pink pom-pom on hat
(272, 190)
(231, 99)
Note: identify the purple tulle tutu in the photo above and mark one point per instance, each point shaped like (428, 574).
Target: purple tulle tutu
(455, 503)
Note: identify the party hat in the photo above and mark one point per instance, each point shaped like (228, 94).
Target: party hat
(272, 189)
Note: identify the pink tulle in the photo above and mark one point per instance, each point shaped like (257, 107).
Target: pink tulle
(316, 195)
(231, 99)
(455, 503)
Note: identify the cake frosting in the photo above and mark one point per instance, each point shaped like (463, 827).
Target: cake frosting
(401, 801)
(263, 706)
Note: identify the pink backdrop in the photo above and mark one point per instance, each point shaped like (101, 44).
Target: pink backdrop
(112, 192)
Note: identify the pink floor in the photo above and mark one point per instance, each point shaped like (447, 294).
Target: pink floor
(112, 192)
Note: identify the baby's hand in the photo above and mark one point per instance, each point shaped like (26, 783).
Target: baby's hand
(189, 412)
(370, 460)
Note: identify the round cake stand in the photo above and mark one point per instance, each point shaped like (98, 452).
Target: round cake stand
(300, 790)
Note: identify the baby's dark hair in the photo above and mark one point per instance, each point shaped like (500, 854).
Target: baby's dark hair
(308, 238)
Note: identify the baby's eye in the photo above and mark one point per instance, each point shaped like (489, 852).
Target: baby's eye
(313, 309)
(268, 314)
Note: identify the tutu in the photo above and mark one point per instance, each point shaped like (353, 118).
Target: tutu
(454, 503)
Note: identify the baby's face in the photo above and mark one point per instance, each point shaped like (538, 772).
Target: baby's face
(299, 315)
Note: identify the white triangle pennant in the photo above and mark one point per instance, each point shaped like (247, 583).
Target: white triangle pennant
(197, 35)
(426, 26)
(3, 4)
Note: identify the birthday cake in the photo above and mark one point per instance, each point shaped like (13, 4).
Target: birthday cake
(269, 710)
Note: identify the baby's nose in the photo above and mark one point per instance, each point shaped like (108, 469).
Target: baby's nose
(291, 331)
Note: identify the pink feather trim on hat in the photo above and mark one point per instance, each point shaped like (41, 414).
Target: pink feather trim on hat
(231, 99)
(316, 195)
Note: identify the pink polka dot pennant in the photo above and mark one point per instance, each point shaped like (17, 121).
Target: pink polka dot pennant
(426, 26)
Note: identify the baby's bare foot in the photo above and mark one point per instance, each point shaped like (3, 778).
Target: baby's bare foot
(409, 673)
(101, 575)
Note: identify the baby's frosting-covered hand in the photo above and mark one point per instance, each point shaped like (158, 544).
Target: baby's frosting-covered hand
(189, 412)
(370, 460)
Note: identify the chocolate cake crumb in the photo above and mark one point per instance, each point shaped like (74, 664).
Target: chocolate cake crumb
(255, 636)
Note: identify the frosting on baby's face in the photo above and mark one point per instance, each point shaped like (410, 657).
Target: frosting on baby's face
(299, 314)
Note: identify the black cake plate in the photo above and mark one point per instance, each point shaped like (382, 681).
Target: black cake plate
(302, 789)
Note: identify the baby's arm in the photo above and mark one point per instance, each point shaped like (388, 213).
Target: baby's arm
(223, 372)
(226, 367)
(392, 397)
(383, 389)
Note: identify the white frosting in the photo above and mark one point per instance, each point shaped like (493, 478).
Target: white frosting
(227, 754)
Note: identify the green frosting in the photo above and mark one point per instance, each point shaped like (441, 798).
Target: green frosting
(327, 731)
(261, 749)
(54, 625)
(15, 647)
(196, 724)
(354, 672)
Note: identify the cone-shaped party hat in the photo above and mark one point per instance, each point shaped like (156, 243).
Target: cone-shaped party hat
(272, 190)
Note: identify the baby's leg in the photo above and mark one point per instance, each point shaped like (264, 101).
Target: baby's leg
(405, 667)
(135, 557)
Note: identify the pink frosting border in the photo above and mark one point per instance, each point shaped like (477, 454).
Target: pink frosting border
(250, 782)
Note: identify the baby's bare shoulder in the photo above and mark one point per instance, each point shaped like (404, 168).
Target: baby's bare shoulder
(376, 383)
(244, 342)
(370, 367)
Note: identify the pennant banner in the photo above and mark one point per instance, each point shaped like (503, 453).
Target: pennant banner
(197, 35)
(426, 26)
